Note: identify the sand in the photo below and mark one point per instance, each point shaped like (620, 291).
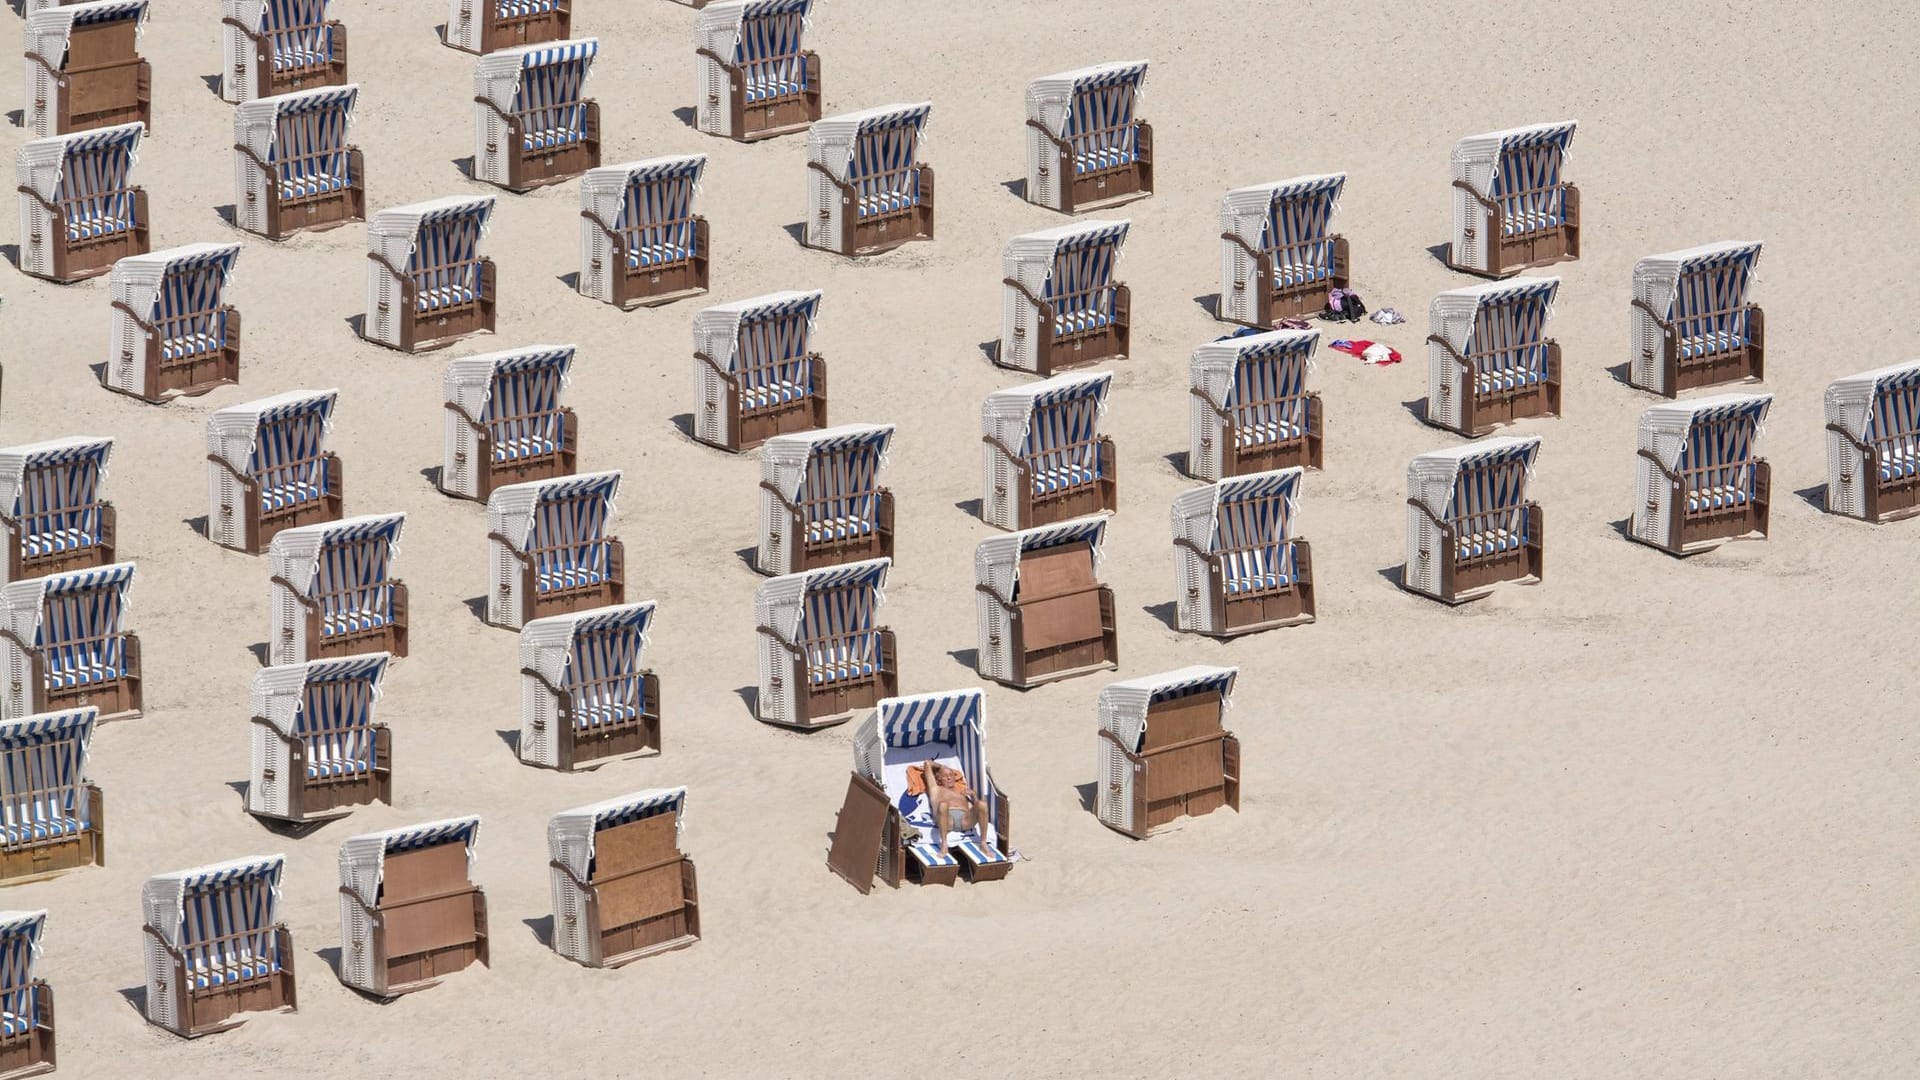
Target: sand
(1649, 818)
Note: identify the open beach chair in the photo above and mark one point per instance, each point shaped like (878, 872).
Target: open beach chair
(483, 26)
(65, 645)
(505, 423)
(1251, 410)
(585, 699)
(1701, 481)
(1873, 443)
(1692, 324)
(52, 518)
(53, 816)
(1489, 359)
(868, 190)
(757, 78)
(533, 125)
(26, 1036)
(293, 167)
(216, 947)
(1469, 524)
(84, 68)
(1165, 751)
(334, 593)
(886, 828)
(428, 285)
(821, 503)
(1512, 209)
(280, 46)
(410, 914)
(1045, 459)
(823, 653)
(173, 331)
(269, 469)
(1060, 306)
(1044, 613)
(641, 244)
(80, 211)
(1240, 568)
(1279, 258)
(622, 889)
(548, 549)
(1087, 148)
(318, 751)
(757, 372)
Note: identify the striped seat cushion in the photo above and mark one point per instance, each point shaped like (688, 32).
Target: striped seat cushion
(978, 853)
(1264, 432)
(1299, 274)
(930, 856)
(833, 671)
(839, 528)
(657, 255)
(769, 89)
(1080, 322)
(11, 1025)
(1256, 582)
(886, 203)
(27, 832)
(771, 394)
(1101, 160)
(1710, 343)
(352, 622)
(1493, 382)
(56, 542)
(1529, 221)
(522, 448)
(290, 494)
(252, 969)
(86, 674)
(176, 348)
(551, 138)
(1716, 498)
(449, 296)
(316, 183)
(1062, 477)
(1899, 466)
(337, 767)
(293, 59)
(1495, 542)
(561, 578)
(604, 713)
(521, 9)
(94, 228)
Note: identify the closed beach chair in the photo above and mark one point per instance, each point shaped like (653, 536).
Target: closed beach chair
(1060, 305)
(84, 69)
(585, 698)
(1701, 481)
(268, 468)
(79, 209)
(533, 124)
(622, 889)
(1044, 613)
(549, 551)
(483, 26)
(1873, 443)
(867, 189)
(53, 817)
(428, 285)
(504, 420)
(410, 914)
(1239, 567)
(215, 946)
(823, 653)
(821, 503)
(52, 518)
(1045, 459)
(758, 375)
(294, 170)
(1251, 410)
(1512, 208)
(1469, 524)
(1692, 324)
(173, 331)
(334, 593)
(280, 46)
(886, 825)
(641, 244)
(1165, 751)
(1087, 148)
(757, 79)
(65, 644)
(26, 1033)
(318, 751)
(1278, 256)
(1489, 360)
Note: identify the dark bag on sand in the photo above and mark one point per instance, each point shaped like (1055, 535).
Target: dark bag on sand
(1344, 305)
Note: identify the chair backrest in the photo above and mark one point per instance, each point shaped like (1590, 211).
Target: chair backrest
(772, 42)
(654, 207)
(1894, 429)
(1081, 277)
(309, 133)
(875, 150)
(1269, 377)
(53, 488)
(1092, 109)
(768, 338)
(411, 862)
(1710, 294)
(1063, 430)
(1290, 219)
(187, 285)
(603, 660)
(297, 30)
(82, 620)
(447, 252)
(89, 175)
(78, 36)
(336, 711)
(43, 775)
(998, 561)
(19, 949)
(1722, 446)
(569, 524)
(597, 841)
(1253, 522)
(291, 443)
(353, 567)
(221, 918)
(1489, 494)
(841, 477)
(839, 615)
(1518, 169)
(1499, 326)
(523, 396)
(541, 86)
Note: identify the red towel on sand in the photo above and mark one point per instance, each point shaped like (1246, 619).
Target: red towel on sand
(1359, 348)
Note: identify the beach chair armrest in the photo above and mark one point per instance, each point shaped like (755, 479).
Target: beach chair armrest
(1664, 324)
(543, 681)
(58, 76)
(290, 740)
(246, 151)
(512, 122)
(299, 597)
(1001, 599)
(783, 642)
(525, 559)
(244, 32)
(1236, 241)
(1446, 530)
(1672, 477)
(726, 376)
(727, 65)
(612, 234)
(248, 483)
(1203, 553)
(1045, 309)
(1489, 204)
(1851, 441)
(58, 214)
(846, 189)
(1019, 463)
(1217, 408)
(1453, 354)
(131, 314)
(178, 956)
(1056, 140)
(473, 423)
(780, 497)
(370, 911)
(1122, 747)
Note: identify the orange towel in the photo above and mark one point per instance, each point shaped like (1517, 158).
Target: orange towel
(950, 778)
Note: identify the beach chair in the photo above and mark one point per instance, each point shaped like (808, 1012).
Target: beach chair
(1060, 306)
(823, 652)
(868, 190)
(758, 375)
(757, 78)
(1045, 459)
(1278, 257)
(1087, 148)
(548, 549)
(1701, 480)
(1044, 613)
(79, 209)
(52, 518)
(216, 947)
(334, 593)
(622, 889)
(1239, 567)
(585, 699)
(532, 126)
(1251, 410)
(65, 645)
(1165, 751)
(269, 469)
(504, 421)
(317, 750)
(293, 167)
(428, 286)
(173, 331)
(26, 1036)
(821, 503)
(641, 244)
(885, 827)
(482, 26)
(1692, 324)
(280, 46)
(84, 68)
(54, 820)
(410, 914)
(1511, 208)
(1489, 361)
(1469, 524)
(1873, 443)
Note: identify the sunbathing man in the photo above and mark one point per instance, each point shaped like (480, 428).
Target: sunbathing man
(954, 809)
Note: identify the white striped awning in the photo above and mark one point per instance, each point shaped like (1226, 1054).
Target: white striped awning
(1851, 400)
(120, 574)
(49, 727)
(938, 717)
(1452, 313)
(163, 896)
(27, 924)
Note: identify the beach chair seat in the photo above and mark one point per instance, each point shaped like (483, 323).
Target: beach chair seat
(334, 591)
(52, 518)
(1700, 480)
(1693, 325)
(1512, 207)
(533, 124)
(1061, 305)
(622, 888)
(757, 376)
(1045, 459)
(53, 817)
(755, 77)
(1279, 258)
(487, 26)
(79, 209)
(1470, 527)
(84, 69)
(867, 189)
(215, 947)
(318, 748)
(1043, 613)
(821, 503)
(1250, 410)
(548, 548)
(585, 697)
(410, 914)
(1489, 361)
(64, 644)
(1164, 749)
(823, 653)
(1239, 568)
(1087, 148)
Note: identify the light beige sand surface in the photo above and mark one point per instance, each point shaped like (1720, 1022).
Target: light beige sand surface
(1650, 818)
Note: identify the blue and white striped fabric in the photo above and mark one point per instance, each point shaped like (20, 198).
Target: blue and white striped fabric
(769, 52)
(1299, 220)
(1080, 286)
(1526, 179)
(770, 356)
(955, 718)
(881, 164)
(840, 491)
(644, 805)
(1090, 530)
(1100, 122)
(1062, 446)
(457, 830)
(100, 11)
(289, 453)
(1893, 427)
(839, 628)
(604, 680)
(1268, 398)
(335, 721)
(1716, 465)
(298, 32)
(522, 414)
(1508, 343)
(309, 150)
(547, 99)
(1488, 506)
(227, 920)
(353, 576)
(656, 216)
(19, 948)
(82, 633)
(445, 264)
(187, 310)
(505, 10)
(1709, 302)
(1253, 532)
(43, 767)
(569, 541)
(95, 190)
(57, 504)
(1220, 679)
